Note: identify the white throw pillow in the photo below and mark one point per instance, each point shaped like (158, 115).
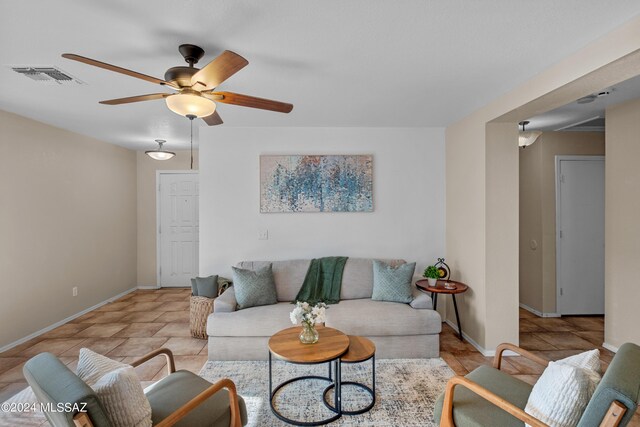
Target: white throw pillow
(93, 366)
(121, 395)
(117, 386)
(564, 389)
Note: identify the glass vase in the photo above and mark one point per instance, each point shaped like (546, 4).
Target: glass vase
(309, 335)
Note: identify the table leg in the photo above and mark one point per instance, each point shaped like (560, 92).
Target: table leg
(455, 307)
(435, 300)
(338, 390)
(270, 381)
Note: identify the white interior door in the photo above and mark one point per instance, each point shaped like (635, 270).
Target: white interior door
(178, 228)
(580, 234)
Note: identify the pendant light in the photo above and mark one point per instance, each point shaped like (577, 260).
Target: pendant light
(159, 153)
(525, 139)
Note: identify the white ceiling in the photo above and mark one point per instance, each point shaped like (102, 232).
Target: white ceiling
(340, 62)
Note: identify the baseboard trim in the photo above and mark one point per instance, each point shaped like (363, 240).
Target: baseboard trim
(146, 287)
(539, 313)
(63, 321)
(484, 351)
(610, 347)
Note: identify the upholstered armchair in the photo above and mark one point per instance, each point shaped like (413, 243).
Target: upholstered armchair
(182, 398)
(488, 396)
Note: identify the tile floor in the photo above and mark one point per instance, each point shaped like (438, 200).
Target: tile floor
(147, 319)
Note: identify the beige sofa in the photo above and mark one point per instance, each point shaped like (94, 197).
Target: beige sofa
(398, 330)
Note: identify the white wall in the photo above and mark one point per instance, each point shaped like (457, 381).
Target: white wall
(409, 207)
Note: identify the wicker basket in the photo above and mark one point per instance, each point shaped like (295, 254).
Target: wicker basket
(199, 309)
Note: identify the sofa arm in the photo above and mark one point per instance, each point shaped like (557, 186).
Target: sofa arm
(226, 302)
(421, 300)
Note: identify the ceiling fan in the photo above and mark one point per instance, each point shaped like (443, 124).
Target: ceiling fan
(195, 87)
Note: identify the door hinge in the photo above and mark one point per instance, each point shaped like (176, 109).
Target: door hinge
(562, 179)
(160, 229)
(160, 271)
(561, 293)
(561, 234)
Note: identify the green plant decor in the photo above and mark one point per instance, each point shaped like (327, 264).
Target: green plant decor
(431, 272)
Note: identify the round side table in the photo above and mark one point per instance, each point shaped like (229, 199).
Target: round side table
(286, 345)
(440, 288)
(360, 350)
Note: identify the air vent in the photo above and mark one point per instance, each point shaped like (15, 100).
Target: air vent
(47, 74)
(595, 124)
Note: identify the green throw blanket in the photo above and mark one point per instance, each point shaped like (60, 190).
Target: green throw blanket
(323, 281)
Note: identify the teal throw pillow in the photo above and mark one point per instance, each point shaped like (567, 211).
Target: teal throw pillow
(392, 283)
(207, 286)
(253, 288)
(194, 287)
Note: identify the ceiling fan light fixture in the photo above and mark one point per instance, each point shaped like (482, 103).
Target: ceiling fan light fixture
(159, 153)
(190, 103)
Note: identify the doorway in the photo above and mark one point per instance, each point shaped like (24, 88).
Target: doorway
(178, 227)
(580, 235)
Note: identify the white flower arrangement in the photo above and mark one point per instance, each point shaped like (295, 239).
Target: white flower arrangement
(308, 314)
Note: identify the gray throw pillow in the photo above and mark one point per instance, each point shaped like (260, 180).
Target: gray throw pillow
(194, 287)
(253, 288)
(392, 283)
(207, 286)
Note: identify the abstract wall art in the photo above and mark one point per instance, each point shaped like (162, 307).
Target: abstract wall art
(303, 183)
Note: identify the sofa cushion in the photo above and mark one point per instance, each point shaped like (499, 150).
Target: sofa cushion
(471, 410)
(254, 288)
(357, 277)
(364, 317)
(287, 275)
(262, 321)
(392, 283)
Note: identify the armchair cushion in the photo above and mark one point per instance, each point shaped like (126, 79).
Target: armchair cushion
(173, 391)
(123, 399)
(470, 410)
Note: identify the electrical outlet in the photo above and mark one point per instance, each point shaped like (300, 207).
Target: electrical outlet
(74, 291)
(263, 235)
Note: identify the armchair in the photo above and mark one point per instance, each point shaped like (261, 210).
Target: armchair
(179, 399)
(488, 396)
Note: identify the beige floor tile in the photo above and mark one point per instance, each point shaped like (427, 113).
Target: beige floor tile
(7, 363)
(17, 350)
(526, 314)
(185, 346)
(587, 323)
(454, 363)
(174, 330)
(174, 306)
(102, 330)
(98, 345)
(174, 316)
(68, 330)
(84, 318)
(565, 340)
(141, 316)
(148, 370)
(554, 324)
(147, 297)
(532, 342)
(140, 330)
(525, 366)
(56, 346)
(145, 306)
(13, 375)
(594, 337)
(526, 325)
(189, 363)
(115, 306)
(173, 297)
(529, 379)
(137, 346)
(106, 317)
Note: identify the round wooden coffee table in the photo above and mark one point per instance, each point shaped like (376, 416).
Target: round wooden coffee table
(286, 345)
(440, 288)
(360, 350)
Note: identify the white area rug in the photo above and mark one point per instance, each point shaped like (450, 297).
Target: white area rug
(406, 391)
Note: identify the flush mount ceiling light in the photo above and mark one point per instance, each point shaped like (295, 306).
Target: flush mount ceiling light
(525, 139)
(159, 153)
(190, 103)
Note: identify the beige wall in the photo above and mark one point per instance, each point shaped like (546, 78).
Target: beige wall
(147, 191)
(538, 211)
(475, 244)
(622, 225)
(67, 218)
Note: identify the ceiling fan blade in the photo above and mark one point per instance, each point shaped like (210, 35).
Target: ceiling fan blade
(220, 69)
(139, 98)
(117, 69)
(250, 101)
(213, 119)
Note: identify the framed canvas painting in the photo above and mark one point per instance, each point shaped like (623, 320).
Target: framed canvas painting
(316, 183)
